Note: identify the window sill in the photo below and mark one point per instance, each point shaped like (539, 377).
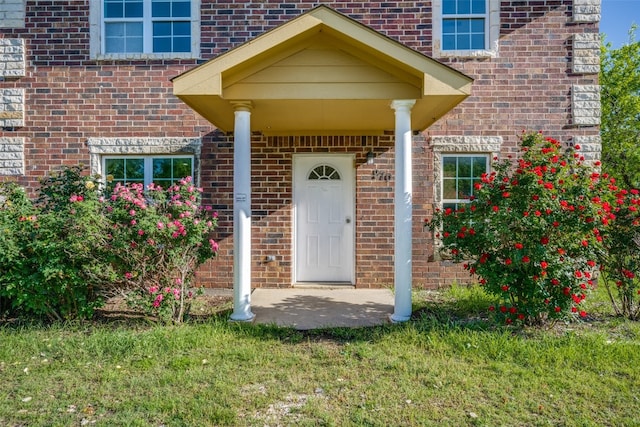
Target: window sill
(144, 56)
(479, 53)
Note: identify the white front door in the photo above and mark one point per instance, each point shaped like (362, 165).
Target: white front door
(323, 199)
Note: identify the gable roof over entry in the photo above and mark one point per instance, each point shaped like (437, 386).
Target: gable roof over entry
(321, 73)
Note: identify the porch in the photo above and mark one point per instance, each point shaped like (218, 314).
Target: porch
(322, 74)
(316, 308)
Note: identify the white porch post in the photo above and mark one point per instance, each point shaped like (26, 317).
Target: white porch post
(403, 210)
(242, 214)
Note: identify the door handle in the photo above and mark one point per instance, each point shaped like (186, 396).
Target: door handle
(348, 220)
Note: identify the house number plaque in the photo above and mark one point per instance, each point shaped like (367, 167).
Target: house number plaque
(381, 175)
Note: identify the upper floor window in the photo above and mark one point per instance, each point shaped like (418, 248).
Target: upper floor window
(132, 29)
(466, 27)
(464, 24)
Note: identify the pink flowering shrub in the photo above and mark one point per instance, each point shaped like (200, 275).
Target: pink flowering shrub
(162, 302)
(532, 233)
(157, 240)
(64, 253)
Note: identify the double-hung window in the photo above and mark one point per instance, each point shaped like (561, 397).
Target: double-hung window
(459, 162)
(460, 172)
(464, 24)
(161, 170)
(466, 27)
(147, 28)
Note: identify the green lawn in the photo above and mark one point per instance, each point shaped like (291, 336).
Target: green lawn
(449, 366)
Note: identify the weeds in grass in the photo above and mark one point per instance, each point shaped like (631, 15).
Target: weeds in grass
(448, 366)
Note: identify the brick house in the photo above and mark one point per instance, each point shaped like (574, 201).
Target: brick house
(323, 132)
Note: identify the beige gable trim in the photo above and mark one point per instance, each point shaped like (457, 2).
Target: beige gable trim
(321, 73)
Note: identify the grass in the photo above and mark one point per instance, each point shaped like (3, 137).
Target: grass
(448, 366)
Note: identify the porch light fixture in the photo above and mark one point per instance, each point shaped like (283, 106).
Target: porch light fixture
(370, 157)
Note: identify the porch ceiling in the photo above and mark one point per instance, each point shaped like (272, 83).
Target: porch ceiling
(321, 73)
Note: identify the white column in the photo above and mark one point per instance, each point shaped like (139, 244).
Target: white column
(242, 214)
(403, 237)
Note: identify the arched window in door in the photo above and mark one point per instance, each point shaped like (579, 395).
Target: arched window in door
(323, 172)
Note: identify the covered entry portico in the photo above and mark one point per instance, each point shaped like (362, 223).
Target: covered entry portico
(322, 74)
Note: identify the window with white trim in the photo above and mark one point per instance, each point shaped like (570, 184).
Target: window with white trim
(459, 174)
(466, 27)
(464, 24)
(101, 149)
(160, 170)
(131, 29)
(453, 162)
(459, 162)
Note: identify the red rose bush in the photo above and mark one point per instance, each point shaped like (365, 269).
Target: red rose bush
(532, 232)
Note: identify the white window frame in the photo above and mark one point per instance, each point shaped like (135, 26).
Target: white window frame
(97, 32)
(100, 148)
(148, 164)
(460, 145)
(444, 201)
(463, 146)
(492, 32)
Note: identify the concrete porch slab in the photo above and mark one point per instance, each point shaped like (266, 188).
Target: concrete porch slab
(305, 309)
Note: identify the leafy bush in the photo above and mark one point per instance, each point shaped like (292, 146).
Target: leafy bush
(158, 238)
(64, 253)
(48, 258)
(530, 233)
(621, 260)
(16, 215)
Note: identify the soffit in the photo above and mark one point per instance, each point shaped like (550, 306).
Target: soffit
(321, 73)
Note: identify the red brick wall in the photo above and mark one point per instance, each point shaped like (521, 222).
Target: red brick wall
(237, 21)
(71, 98)
(528, 87)
(271, 172)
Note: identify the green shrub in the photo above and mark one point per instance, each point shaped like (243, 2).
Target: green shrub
(158, 238)
(16, 217)
(49, 257)
(531, 233)
(64, 253)
(621, 259)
